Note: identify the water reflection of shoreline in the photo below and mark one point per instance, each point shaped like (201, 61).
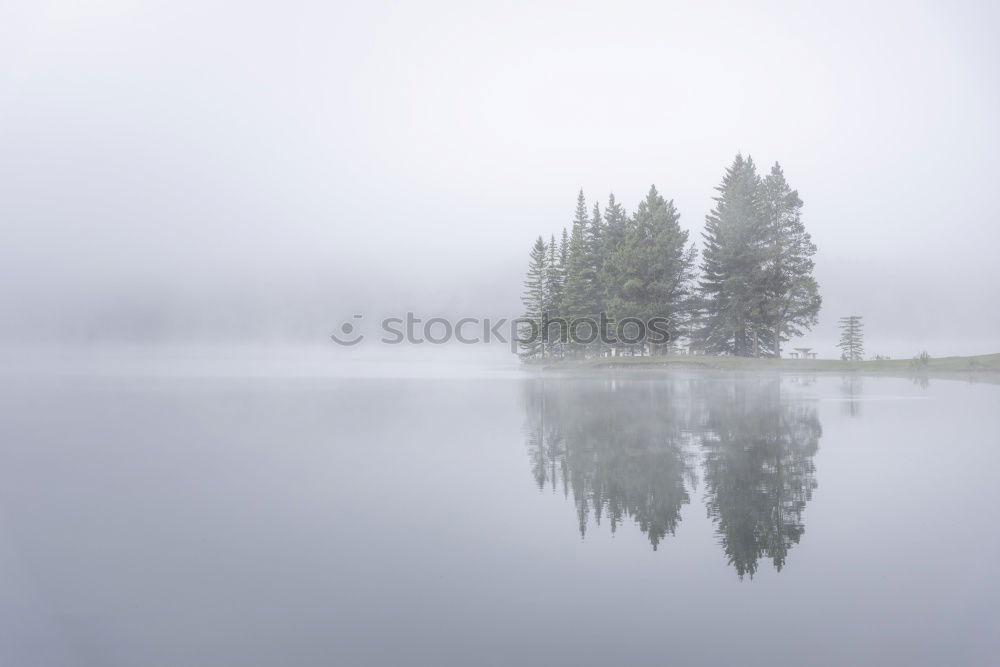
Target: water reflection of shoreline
(630, 449)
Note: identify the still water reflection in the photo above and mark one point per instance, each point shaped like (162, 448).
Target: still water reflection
(635, 449)
(283, 518)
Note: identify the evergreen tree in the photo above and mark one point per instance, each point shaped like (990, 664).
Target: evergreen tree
(563, 263)
(615, 221)
(733, 281)
(595, 248)
(534, 299)
(563, 257)
(651, 271)
(574, 301)
(580, 297)
(553, 279)
(792, 300)
(615, 227)
(851, 338)
(553, 296)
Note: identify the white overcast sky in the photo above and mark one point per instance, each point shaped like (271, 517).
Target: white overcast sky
(200, 164)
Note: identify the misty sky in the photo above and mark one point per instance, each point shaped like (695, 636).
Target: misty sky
(198, 168)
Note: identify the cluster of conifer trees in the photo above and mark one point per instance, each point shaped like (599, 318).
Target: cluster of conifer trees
(752, 290)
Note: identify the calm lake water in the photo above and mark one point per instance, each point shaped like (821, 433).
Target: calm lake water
(644, 519)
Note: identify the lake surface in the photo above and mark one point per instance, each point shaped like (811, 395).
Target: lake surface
(633, 519)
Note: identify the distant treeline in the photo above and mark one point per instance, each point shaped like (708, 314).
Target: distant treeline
(752, 289)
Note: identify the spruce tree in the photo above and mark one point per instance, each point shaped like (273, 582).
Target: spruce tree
(564, 255)
(563, 263)
(851, 338)
(534, 299)
(615, 226)
(615, 221)
(553, 279)
(574, 302)
(595, 248)
(792, 299)
(580, 298)
(733, 280)
(553, 296)
(651, 272)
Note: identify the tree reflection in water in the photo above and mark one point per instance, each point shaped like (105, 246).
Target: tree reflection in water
(629, 448)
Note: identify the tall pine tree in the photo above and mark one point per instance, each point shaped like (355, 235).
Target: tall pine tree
(650, 273)
(792, 299)
(852, 338)
(563, 270)
(580, 294)
(553, 279)
(554, 336)
(732, 280)
(595, 248)
(564, 256)
(615, 221)
(534, 299)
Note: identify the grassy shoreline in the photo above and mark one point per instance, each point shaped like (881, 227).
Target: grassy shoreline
(983, 363)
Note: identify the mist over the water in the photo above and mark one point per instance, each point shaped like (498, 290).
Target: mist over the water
(265, 274)
(188, 172)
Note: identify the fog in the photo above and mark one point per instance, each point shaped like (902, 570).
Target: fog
(196, 197)
(178, 172)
